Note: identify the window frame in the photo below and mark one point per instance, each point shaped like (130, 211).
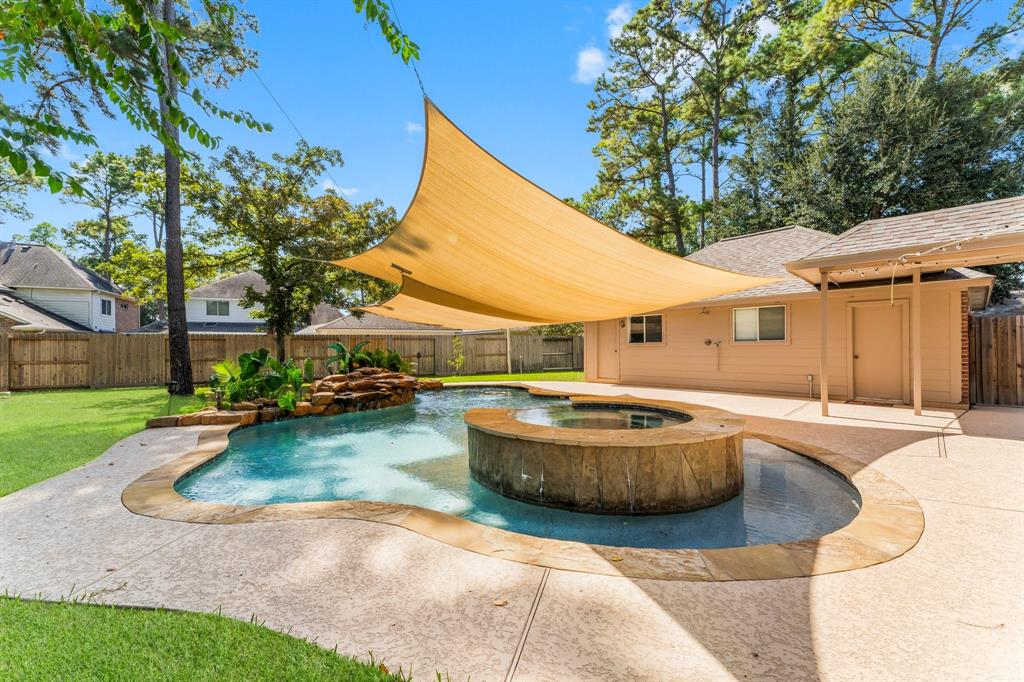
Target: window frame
(106, 307)
(785, 325)
(217, 304)
(645, 342)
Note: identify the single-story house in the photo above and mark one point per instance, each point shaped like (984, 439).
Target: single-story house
(891, 326)
(45, 291)
(217, 308)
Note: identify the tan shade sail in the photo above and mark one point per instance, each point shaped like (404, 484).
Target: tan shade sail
(481, 247)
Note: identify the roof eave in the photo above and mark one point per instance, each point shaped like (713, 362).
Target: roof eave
(1004, 248)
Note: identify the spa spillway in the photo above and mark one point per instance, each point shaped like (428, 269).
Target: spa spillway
(618, 455)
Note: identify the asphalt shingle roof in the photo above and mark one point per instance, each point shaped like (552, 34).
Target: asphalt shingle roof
(35, 265)
(932, 227)
(24, 312)
(369, 321)
(231, 287)
(764, 253)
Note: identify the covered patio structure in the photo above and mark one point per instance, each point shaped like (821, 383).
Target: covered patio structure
(904, 248)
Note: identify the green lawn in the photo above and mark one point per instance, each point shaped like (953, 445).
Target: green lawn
(64, 641)
(45, 433)
(534, 376)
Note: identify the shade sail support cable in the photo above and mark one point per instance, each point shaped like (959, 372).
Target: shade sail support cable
(412, 62)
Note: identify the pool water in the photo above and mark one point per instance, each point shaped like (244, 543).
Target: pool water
(564, 415)
(416, 454)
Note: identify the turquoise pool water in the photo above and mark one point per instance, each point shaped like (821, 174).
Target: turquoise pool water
(416, 454)
(566, 416)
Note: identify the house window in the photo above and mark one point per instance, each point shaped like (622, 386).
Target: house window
(766, 323)
(645, 329)
(105, 306)
(217, 308)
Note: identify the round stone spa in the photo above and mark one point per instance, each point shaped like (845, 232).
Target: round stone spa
(617, 455)
(416, 454)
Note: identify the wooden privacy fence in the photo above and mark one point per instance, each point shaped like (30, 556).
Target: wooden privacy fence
(33, 361)
(997, 360)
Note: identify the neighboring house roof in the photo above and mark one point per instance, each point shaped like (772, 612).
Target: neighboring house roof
(34, 317)
(231, 287)
(370, 322)
(1013, 305)
(941, 226)
(764, 253)
(159, 327)
(36, 265)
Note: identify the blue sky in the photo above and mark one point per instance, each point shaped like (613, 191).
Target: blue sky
(504, 72)
(516, 76)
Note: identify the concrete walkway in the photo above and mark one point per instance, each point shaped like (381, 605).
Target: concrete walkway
(951, 608)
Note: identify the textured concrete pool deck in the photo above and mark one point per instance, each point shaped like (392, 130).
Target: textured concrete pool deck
(951, 608)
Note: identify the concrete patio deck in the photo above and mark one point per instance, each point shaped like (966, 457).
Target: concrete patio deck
(951, 608)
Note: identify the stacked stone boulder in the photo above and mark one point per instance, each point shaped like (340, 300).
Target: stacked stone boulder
(367, 388)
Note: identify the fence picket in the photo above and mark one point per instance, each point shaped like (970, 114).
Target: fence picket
(71, 360)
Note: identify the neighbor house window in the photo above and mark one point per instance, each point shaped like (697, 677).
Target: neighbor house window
(105, 306)
(766, 323)
(645, 329)
(218, 308)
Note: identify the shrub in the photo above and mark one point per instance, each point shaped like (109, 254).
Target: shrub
(257, 375)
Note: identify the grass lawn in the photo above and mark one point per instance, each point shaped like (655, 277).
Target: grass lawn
(534, 376)
(45, 433)
(63, 641)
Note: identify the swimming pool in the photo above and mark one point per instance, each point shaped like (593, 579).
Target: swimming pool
(416, 454)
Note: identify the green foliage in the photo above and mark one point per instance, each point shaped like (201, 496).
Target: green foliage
(114, 56)
(385, 358)
(286, 401)
(307, 370)
(379, 12)
(258, 375)
(44, 233)
(567, 329)
(343, 357)
(267, 211)
(458, 359)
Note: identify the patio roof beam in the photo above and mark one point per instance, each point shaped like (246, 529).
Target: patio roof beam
(915, 338)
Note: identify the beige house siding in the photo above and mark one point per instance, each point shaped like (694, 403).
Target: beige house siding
(685, 358)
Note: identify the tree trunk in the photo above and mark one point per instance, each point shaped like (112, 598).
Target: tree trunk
(703, 194)
(666, 150)
(177, 327)
(279, 337)
(107, 228)
(716, 127)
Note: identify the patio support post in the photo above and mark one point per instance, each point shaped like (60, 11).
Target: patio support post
(915, 339)
(508, 348)
(823, 343)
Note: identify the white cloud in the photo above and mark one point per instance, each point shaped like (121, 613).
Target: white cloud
(766, 28)
(1014, 44)
(344, 191)
(413, 128)
(590, 64)
(618, 17)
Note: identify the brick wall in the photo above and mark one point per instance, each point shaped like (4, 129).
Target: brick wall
(126, 315)
(965, 363)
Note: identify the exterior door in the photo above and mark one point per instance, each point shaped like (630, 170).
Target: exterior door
(880, 351)
(608, 350)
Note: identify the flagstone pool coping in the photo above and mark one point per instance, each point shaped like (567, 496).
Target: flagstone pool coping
(888, 525)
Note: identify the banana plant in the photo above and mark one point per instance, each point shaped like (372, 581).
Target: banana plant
(343, 357)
